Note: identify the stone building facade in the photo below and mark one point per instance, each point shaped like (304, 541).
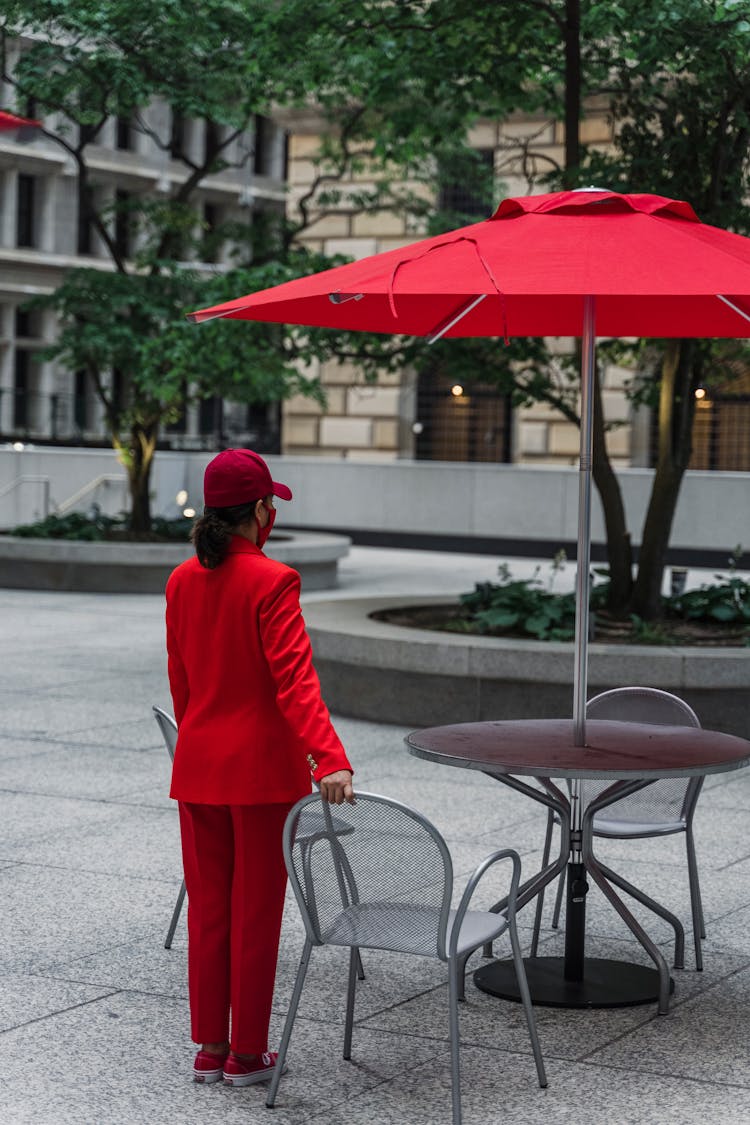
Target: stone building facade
(43, 234)
(393, 417)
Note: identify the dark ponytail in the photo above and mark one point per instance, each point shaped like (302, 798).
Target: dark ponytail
(212, 532)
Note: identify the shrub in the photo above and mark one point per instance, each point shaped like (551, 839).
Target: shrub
(95, 527)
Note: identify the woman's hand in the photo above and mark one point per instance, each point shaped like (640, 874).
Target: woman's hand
(337, 787)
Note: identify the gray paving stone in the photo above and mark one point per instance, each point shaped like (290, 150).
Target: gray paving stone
(72, 771)
(716, 1019)
(89, 873)
(28, 999)
(50, 912)
(126, 839)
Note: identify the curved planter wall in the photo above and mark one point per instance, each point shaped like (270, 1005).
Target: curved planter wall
(374, 670)
(143, 568)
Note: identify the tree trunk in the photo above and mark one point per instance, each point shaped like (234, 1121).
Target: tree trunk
(619, 550)
(138, 460)
(572, 92)
(676, 411)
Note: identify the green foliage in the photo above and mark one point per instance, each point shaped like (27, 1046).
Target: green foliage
(727, 601)
(528, 607)
(521, 607)
(649, 632)
(73, 526)
(96, 527)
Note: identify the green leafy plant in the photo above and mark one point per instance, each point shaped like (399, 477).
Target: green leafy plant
(649, 632)
(519, 606)
(96, 527)
(728, 601)
(528, 607)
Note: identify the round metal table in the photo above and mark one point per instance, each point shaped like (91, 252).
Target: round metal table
(632, 755)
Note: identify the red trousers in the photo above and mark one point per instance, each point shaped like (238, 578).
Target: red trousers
(235, 878)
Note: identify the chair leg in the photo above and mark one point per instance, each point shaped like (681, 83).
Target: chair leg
(175, 916)
(289, 1022)
(558, 901)
(350, 994)
(360, 967)
(461, 976)
(696, 904)
(540, 896)
(651, 904)
(523, 988)
(453, 978)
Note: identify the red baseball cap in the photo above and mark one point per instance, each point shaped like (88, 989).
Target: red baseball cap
(239, 476)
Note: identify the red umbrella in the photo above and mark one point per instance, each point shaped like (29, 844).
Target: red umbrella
(580, 263)
(24, 125)
(653, 267)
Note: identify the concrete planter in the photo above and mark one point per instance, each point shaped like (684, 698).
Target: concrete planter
(415, 677)
(143, 568)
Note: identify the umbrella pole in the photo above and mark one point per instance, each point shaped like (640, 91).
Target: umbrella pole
(584, 523)
(575, 918)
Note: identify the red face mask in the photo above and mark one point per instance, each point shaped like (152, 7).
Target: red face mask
(264, 532)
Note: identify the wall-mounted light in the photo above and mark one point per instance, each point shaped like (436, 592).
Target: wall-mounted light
(19, 446)
(189, 513)
(457, 390)
(181, 497)
(417, 428)
(700, 392)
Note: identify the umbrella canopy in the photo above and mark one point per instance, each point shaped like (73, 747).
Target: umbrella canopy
(11, 122)
(653, 267)
(578, 263)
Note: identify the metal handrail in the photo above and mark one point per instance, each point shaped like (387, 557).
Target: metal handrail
(22, 480)
(102, 479)
(29, 479)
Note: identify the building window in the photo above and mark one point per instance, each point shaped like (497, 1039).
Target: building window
(457, 423)
(177, 137)
(25, 324)
(123, 224)
(80, 402)
(264, 426)
(471, 196)
(25, 214)
(117, 391)
(21, 372)
(213, 138)
(211, 418)
(211, 243)
(87, 133)
(721, 429)
(262, 145)
(124, 133)
(85, 235)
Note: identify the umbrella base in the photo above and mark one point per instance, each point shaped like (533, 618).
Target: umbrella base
(605, 984)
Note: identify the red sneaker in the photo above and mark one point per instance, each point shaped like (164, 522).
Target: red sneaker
(243, 1072)
(208, 1068)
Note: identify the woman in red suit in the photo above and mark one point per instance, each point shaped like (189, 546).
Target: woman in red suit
(252, 729)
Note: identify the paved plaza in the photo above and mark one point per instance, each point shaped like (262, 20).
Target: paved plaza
(94, 1023)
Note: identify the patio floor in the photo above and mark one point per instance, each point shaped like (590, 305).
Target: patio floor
(93, 1010)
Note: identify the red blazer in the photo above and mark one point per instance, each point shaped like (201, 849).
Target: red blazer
(251, 723)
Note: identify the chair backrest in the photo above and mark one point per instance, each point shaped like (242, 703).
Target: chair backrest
(168, 728)
(668, 799)
(642, 705)
(375, 874)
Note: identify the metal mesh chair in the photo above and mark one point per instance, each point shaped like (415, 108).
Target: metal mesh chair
(661, 809)
(168, 728)
(387, 884)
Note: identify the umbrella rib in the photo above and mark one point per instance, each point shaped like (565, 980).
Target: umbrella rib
(453, 319)
(733, 307)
